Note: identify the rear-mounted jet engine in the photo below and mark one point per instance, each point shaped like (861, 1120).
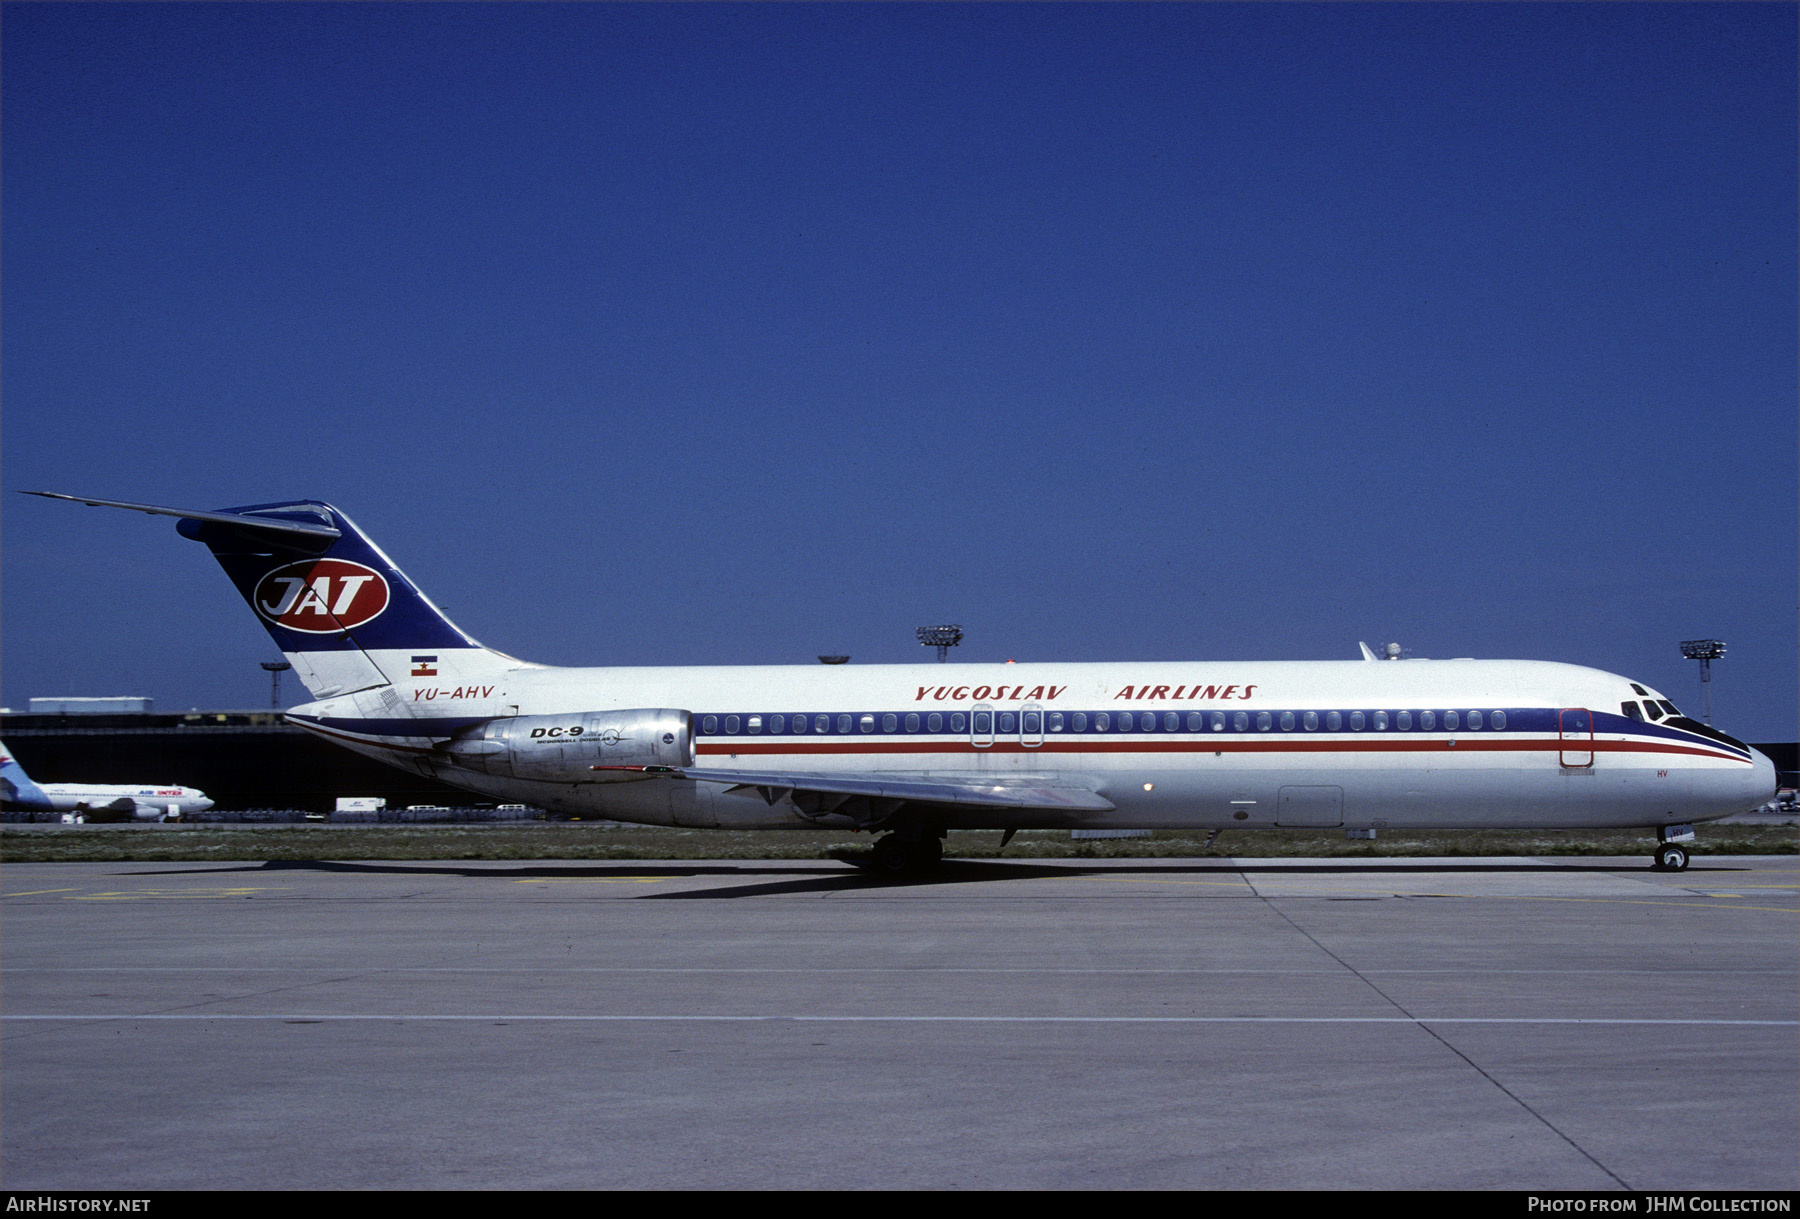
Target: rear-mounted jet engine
(566, 748)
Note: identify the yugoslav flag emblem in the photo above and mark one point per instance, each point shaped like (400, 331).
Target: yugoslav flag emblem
(321, 596)
(424, 666)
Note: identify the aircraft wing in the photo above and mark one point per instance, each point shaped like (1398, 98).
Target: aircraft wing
(1016, 791)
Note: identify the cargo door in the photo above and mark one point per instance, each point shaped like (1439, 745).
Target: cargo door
(1316, 807)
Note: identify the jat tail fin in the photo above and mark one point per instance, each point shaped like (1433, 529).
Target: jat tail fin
(16, 786)
(337, 607)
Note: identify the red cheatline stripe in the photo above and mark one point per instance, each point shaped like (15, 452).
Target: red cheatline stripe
(1462, 745)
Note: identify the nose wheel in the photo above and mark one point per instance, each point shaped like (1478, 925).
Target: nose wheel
(1671, 857)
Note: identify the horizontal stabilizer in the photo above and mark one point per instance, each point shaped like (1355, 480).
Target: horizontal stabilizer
(320, 532)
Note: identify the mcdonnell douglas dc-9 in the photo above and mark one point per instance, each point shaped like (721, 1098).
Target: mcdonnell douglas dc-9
(911, 751)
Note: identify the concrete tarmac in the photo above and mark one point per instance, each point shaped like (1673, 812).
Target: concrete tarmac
(1572, 1023)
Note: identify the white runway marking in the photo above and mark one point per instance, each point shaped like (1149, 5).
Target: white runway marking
(321, 1018)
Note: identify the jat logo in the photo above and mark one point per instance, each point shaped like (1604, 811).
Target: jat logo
(321, 596)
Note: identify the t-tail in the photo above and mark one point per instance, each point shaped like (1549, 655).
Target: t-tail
(343, 614)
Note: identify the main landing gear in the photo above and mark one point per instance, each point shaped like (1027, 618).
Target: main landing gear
(895, 855)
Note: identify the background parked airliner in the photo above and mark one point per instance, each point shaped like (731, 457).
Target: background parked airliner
(97, 801)
(914, 750)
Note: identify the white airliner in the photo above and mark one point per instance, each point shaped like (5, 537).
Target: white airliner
(96, 801)
(915, 750)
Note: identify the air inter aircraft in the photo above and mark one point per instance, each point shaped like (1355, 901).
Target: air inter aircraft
(96, 801)
(911, 751)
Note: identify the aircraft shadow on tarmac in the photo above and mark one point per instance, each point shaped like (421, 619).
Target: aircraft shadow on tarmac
(808, 877)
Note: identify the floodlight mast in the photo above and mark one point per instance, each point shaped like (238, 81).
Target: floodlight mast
(943, 638)
(1705, 651)
(276, 668)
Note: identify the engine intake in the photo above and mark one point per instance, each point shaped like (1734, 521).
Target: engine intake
(566, 748)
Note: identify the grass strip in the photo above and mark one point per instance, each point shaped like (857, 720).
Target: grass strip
(575, 840)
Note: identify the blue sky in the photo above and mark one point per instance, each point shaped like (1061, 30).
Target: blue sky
(738, 334)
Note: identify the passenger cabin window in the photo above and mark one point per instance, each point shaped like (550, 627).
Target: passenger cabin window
(1102, 721)
(731, 723)
(1194, 721)
(888, 723)
(777, 723)
(799, 723)
(1475, 721)
(984, 723)
(1263, 721)
(958, 721)
(912, 722)
(1078, 721)
(1056, 721)
(843, 723)
(1356, 721)
(1240, 721)
(1008, 722)
(710, 724)
(867, 724)
(1218, 721)
(1333, 721)
(934, 722)
(1381, 721)
(822, 723)
(1449, 721)
(1287, 721)
(754, 723)
(1499, 721)
(1428, 720)
(1171, 722)
(1311, 721)
(1032, 722)
(1403, 721)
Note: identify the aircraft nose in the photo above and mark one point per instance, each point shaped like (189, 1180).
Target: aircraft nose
(1761, 786)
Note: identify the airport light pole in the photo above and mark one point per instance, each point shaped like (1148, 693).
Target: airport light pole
(943, 638)
(1705, 651)
(276, 668)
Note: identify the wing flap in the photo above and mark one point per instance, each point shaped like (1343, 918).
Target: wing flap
(1016, 792)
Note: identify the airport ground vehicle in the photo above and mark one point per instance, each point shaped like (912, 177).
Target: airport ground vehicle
(914, 750)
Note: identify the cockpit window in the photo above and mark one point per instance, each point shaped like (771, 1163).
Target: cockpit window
(1668, 706)
(1631, 709)
(1652, 710)
(1639, 688)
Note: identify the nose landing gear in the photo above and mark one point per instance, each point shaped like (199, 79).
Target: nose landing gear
(1672, 847)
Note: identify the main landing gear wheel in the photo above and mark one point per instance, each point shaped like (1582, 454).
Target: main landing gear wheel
(1671, 857)
(895, 856)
